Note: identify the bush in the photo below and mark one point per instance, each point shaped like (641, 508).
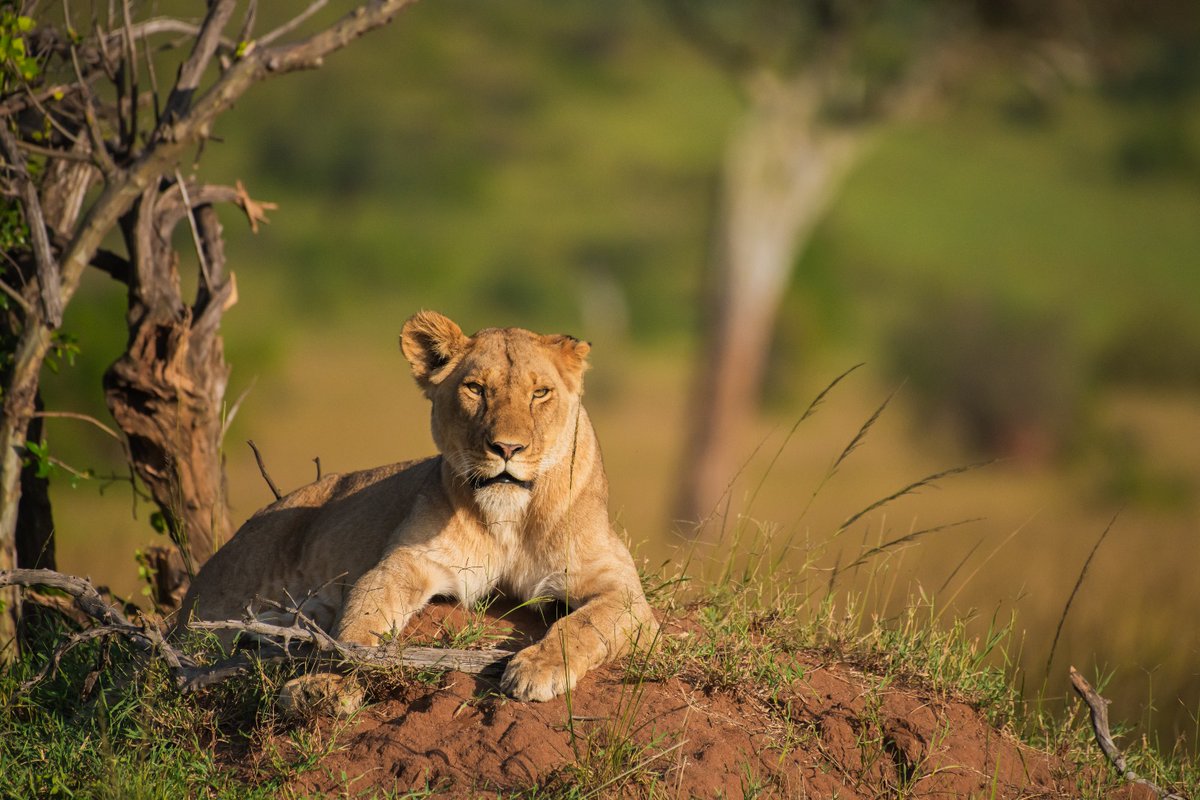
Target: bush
(1009, 379)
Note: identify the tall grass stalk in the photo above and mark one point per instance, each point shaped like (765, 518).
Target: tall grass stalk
(1075, 590)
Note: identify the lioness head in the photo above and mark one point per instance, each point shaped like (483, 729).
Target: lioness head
(505, 403)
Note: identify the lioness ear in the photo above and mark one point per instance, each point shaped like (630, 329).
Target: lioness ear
(431, 342)
(572, 355)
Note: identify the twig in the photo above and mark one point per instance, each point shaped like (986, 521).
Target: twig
(99, 148)
(205, 273)
(89, 601)
(189, 675)
(131, 67)
(73, 641)
(248, 22)
(470, 661)
(293, 23)
(77, 415)
(51, 152)
(262, 468)
(47, 267)
(192, 69)
(235, 408)
(1099, 709)
(17, 296)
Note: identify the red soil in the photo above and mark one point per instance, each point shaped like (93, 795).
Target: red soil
(833, 733)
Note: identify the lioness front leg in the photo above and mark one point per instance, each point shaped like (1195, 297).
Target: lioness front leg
(383, 599)
(603, 628)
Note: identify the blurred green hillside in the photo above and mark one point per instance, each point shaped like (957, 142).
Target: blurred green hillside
(1024, 261)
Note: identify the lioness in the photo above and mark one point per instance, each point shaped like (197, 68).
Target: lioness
(516, 500)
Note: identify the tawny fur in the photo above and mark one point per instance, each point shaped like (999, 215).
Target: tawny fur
(360, 553)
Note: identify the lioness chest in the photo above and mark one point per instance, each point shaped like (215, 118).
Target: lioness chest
(470, 559)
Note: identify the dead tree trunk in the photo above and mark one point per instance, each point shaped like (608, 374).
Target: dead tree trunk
(35, 521)
(167, 391)
(186, 366)
(780, 171)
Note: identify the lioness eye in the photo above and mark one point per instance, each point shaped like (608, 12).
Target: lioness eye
(474, 388)
(542, 392)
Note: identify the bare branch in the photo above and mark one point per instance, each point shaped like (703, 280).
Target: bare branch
(293, 23)
(189, 675)
(17, 296)
(131, 65)
(47, 267)
(728, 55)
(53, 152)
(1099, 708)
(73, 641)
(205, 274)
(470, 661)
(113, 265)
(175, 135)
(248, 22)
(87, 599)
(83, 417)
(19, 102)
(234, 409)
(309, 53)
(172, 208)
(262, 468)
(99, 148)
(205, 47)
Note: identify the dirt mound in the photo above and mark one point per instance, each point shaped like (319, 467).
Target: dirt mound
(832, 732)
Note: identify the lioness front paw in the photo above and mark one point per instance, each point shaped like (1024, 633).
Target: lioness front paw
(319, 694)
(364, 631)
(536, 674)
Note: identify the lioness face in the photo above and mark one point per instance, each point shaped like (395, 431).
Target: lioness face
(505, 403)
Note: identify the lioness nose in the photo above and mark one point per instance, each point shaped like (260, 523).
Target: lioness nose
(505, 449)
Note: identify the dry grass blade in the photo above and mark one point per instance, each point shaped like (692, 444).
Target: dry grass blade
(861, 436)
(954, 572)
(907, 538)
(595, 792)
(820, 398)
(808, 412)
(1074, 591)
(915, 486)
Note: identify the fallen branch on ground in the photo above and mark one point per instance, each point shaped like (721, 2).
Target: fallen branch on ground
(278, 641)
(1099, 709)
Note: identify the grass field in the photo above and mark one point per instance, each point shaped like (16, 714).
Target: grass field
(353, 405)
(474, 163)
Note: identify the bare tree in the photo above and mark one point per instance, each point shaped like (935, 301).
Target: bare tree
(816, 80)
(91, 146)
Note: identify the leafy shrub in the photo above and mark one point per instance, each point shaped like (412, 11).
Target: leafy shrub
(1009, 379)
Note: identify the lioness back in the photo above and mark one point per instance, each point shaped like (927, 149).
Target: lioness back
(315, 541)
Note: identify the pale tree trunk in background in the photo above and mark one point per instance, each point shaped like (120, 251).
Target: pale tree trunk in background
(781, 169)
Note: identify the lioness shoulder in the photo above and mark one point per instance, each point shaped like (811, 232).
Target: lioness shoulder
(516, 501)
